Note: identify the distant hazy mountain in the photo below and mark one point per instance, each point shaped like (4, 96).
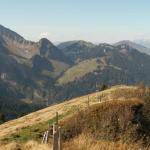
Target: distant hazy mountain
(23, 50)
(49, 50)
(79, 42)
(26, 67)
(133, 45)
(66, 44)
(77, 50)
(16, 44)
(110, 65)
(145, 43)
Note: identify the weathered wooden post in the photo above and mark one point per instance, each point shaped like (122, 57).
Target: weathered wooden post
(55, 141)
(55, 137)
(60, 139)
(56, 126)
(43, 137)
(46, 138)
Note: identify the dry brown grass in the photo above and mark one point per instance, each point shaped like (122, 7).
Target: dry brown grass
(82, 142)
(120, 96)
(113, 120)
(10, 146)
(124, 100)
(31, 145)
(86, 142)
(13, 126)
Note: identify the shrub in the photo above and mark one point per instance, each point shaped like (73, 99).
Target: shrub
(114, 120)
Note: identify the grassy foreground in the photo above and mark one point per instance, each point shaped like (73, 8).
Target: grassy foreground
(121, 102)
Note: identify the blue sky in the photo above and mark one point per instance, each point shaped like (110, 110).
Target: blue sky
(91, 20)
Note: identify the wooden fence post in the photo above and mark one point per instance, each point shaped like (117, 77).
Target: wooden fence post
(43, 140)
(60, 139)
(46, 138)
(55, 141)
(55, 137)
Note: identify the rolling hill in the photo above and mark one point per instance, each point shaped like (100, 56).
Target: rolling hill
(62, 108)
(127, 63)
(125, 107)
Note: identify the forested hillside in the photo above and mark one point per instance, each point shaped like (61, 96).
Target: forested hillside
(37, 74)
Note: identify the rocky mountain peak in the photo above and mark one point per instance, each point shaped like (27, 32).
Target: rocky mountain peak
(6, 34)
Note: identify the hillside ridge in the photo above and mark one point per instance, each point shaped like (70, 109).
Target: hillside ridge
(48, 113)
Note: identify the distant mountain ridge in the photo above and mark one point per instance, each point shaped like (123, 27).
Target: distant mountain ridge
(134, 45)
(26, 67)
(144, 42)
(40, 73)
(16, 44)
(79, 42)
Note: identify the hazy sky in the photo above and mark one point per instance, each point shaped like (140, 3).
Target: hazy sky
(92, 20)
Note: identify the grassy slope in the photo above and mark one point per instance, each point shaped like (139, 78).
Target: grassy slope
(78, 71)
(82, 68)
(21, 132)
(59, 67)
(84, 142)
(47, 114)
(106, 126)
